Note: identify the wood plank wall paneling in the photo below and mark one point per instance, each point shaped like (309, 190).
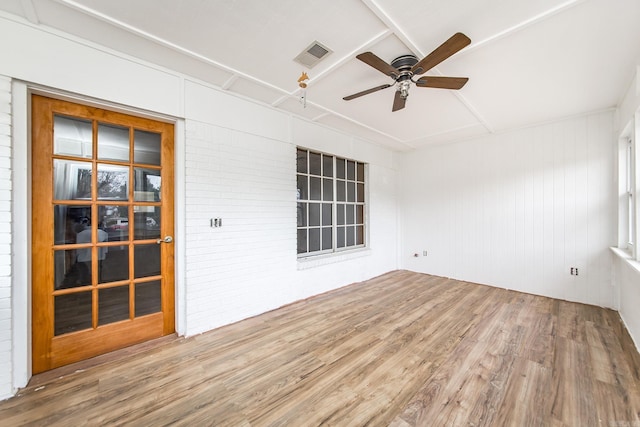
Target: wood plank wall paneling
(516, 209)
(403, 349)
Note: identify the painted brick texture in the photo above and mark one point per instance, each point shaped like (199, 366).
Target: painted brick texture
(240, 269)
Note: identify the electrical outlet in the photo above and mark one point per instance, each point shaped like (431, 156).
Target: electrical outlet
(573, 271)
(424, 253)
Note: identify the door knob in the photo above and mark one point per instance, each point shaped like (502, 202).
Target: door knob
(167, 239)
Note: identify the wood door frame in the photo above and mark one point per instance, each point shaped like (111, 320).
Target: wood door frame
(170, 321)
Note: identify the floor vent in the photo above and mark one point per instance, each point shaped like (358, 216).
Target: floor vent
(313, 54)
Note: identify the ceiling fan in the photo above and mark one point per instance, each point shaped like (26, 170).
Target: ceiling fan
(403, 68)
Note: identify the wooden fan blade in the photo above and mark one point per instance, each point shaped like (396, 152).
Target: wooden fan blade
(455, 43)
(442, 82)
(372, 60)
(398, 102)
(365, 92)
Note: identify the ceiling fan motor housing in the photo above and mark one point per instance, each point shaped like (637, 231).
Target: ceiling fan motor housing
(404, 64)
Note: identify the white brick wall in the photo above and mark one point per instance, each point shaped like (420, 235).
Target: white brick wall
(239, 269)
(5, 238)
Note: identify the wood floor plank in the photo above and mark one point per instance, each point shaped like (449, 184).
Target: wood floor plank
(403, 349)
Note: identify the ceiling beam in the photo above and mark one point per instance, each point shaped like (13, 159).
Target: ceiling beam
(30, 12)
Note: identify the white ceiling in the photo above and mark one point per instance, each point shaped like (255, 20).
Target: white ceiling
(529, 61)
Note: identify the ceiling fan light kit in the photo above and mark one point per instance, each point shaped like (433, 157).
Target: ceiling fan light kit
(405, 67)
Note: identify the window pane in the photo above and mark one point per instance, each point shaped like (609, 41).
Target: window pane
(113, 182)
(68, 222)
(146, 147)
(351, 217)
(327, 241)
(146, 260)
(115, 266)
(326, 214)
(302, 241)
(72, 137)
(351, 170)
(351, 191)
(359, 235)
(147, 185)
(341, 195)
(340, 214)
(146, 222)
(302, 214)
(351, 236)
(314, 214)
(327, 190)
(113, 304)
(340, 168)
(314, 239)
(71, 180)
(359, 214)
(301, 161)
(327, 165)
(360, 189)
(303, 192)
(360, 174)
(115, 221)
(68, 272)
(72, 312)
(315, 185)
(113, 142)
(340, 235)
(315, 164)
(148, 298)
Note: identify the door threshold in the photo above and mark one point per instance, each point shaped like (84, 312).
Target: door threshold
(83, 365)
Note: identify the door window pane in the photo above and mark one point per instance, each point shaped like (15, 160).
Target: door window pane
(148, 298)
(360, 173)
(146, 260)
(113, 304)
(351, 170)
(115, 266)
(114, 219)
(147, 185)
(146, 147)
(113, 142)
(72, 312)
(68, 222)
(147, 222)
(68, 273)
(71, 180)
(113, 182)
(72, 137)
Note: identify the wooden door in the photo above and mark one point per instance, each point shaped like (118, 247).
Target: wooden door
(103, 221)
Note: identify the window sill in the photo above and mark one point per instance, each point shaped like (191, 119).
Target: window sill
(626, 256)
(320, 260)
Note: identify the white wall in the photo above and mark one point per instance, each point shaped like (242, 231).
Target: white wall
(235, 159)
(240, 166)
(516, 210)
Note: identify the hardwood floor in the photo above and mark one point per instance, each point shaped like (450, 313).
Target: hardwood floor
(403, 349)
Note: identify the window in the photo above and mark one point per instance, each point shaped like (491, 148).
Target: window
(629, 196)
(331, 203)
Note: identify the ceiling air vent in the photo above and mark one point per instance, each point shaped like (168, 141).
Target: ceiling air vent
(313, 54)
